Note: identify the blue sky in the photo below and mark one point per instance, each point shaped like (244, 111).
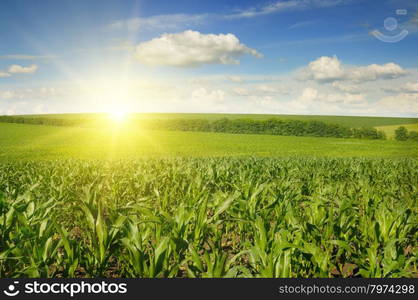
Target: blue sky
(293, 56)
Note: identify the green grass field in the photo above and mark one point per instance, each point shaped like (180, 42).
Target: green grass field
(390, 129)
(31, 142)
(351, 121)
(118, 201)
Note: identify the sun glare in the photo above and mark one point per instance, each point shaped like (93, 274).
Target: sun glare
(118, 116)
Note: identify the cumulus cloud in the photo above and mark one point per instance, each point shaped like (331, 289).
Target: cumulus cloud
(329, 69)
(325, 69)
(191, 49)
(409, 87)
(402, 103)
(17, 69)
(374, 72)
(344, 87)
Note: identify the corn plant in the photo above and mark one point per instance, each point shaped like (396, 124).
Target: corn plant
(209, 217)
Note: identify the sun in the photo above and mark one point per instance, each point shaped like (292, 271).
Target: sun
(118, 116)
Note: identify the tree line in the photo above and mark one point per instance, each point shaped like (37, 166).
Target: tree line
(268, 126)
(271, 126)
(42, 121)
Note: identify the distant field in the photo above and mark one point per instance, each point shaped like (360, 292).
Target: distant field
(390, 130)
(29, 142)
(343, 120)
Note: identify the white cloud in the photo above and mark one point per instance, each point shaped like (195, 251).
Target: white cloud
(309, 95)
(329, 69)
(218, 93)
(239, 91)
(4, 74)
(346, 99)
(403, 103)
(271, 89)
(29, 93)
(204, 95)
(8, 111)
(344, 87)
(374, 72)
(312, 100)
(409, 87)
(317, 101)
(17, 69)
(192, 48)
(18, 108)
(204, 100)
(325, 69)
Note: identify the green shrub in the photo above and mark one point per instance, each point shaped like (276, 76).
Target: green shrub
(401, 134)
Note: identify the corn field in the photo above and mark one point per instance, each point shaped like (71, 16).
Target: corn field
(214, 217)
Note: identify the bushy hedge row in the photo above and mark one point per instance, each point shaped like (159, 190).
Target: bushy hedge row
(246, 126)
(402, 134)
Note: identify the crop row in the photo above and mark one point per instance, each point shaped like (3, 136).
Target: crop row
(218, 217)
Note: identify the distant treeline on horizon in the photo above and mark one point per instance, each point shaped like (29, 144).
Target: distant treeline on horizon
(271, 126)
